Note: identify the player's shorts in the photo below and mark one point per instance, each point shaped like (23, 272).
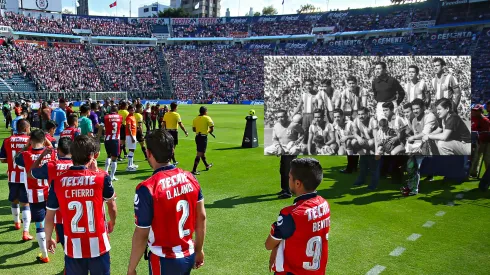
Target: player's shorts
(129, 143)
(165, 266)
(139, 136)
(175, 135)
(122, 135)
(17, 191)
(112, 147)
(100, 265)
(201, 143)
(38, 211)
(60, 234)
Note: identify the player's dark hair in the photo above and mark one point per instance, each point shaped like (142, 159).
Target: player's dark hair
(319, 140)
(338, 111)
(280, 111)
(130, 107)
(445, 103)
(22, 125)
(351, 78)
(161, 145)
(62, 100)
(173, 105)
(417, 70)
(50, 124)
(407, 106)
(389, 105)
(94, 105)
(84, 108)
(64, 145)
(419, 102)
(81, 148)
(308, 171)
(202, 110)
(383, 64)
(364, 109)
(139, 106)
(38, 136)
(123, 105)
(113, 109)
(72, 119)
(318, 111)
(440, 60)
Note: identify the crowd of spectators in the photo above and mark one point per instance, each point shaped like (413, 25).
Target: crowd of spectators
(209, 30)
(128, 68)
(8, 66)
(58, 69)
(42, 24)
(281, 28)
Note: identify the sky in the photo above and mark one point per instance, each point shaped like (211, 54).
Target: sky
(237, 7)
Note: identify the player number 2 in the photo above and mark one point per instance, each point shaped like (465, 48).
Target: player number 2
(313, 249)
(184, 206)
(78, 207)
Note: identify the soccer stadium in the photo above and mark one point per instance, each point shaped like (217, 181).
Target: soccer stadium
(81, 92)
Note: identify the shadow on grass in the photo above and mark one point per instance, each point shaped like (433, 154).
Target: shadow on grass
(231, 202)
(231, 148)
(5, 258)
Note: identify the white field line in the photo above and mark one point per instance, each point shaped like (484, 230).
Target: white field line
(376, 270)
(428, 224)
(397, 252)
(440, 213)
(414, 237)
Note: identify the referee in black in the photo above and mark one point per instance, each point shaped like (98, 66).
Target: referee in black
(202, 125)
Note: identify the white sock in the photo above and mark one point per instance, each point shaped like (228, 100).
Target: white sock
(130, 158)
(41, 240)
(16, 213)
(113, 169)
(26, 219)
(107, 164)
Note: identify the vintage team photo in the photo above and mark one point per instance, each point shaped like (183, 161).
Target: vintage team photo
(367, 105)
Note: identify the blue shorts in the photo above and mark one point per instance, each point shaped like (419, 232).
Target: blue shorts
(60, 234)
(165, 266)
(17, 191)
(112, 148)
(96, 266)
(38, 211)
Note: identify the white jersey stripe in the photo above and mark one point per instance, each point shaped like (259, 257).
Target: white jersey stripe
(12, 176)
(66, 244)
(191, 247)
(94, 247)
(178, 252)
(279, 264)
(77, 248)
(29, 195)
(40, 195)
(23, 177)
(106, 242)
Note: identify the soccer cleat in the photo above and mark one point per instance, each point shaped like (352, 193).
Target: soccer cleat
(40, 258)
(114, 179)
(404, 189)
(195, 173)
(17, 225)
(135, 166)
(209, 166)
(130, 169)
(176, 163)
(26, 236)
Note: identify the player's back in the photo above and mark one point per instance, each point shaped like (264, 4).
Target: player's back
(112, 123)
(131, 125)
(70, 132)
(80, 197)
(175, 194)
(306, 251)
(12, 145)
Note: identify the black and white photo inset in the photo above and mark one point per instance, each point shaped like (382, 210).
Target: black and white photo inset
(367, 105)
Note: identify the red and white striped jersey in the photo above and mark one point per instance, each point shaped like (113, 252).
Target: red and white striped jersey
(56, 168)
(70, 132)
(166, 203)
(37, 189)
(112, 124)
(10, 147)
(80, 194)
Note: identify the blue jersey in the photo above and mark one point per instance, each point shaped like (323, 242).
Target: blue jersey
(59, 116)
(14, 124)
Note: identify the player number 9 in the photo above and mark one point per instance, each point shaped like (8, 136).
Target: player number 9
(313, 249)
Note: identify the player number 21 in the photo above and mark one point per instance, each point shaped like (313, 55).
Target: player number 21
(184, 207)
(313, 249)
(78, 207)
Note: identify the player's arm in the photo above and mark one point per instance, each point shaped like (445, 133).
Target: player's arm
(36, 169)
(456, 95)
(332, 139)
(298, 108)
(51, 207)
(357, 132)
(3, 153)
(110, 198)
(143, 210)
(200, 232)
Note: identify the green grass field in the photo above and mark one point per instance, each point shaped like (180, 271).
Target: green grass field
(240, 202)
